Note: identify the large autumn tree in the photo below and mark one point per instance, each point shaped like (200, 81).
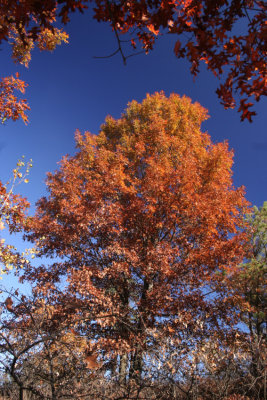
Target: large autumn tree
(140, 225)
(229, 36)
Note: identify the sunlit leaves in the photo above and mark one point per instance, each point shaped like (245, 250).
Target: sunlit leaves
(25, 26)
(22, 48)
(12, 216)
(12, 107)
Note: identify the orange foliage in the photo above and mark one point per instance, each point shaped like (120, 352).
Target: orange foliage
(9, 304)
(141, 220)
(24, 24)
(212, 36)
(212, 28)
(91, 361)
(11, 107)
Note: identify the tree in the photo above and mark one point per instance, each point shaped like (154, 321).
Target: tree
(139, 224)
(230, 37)
(249, 290)
(41, 355)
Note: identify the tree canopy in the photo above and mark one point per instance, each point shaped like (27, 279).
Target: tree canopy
(141, 223)
(230, 37)
(148, 272)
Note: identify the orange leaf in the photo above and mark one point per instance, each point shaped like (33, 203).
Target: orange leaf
(152, 29)
(9, 304)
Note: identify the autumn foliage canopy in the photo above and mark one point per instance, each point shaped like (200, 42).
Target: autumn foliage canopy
(142, 222)
(229, 36)
(148, 270)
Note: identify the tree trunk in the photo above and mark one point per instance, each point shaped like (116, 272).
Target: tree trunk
(123, 368)
(113, 366)
(136, 367)
(21, 392)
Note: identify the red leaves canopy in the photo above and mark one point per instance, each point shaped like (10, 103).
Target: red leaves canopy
(141, 220)
(229, 36)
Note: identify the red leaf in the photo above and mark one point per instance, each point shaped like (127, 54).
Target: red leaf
(177, 47)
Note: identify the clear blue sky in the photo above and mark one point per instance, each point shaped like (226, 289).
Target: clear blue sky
(69, 89)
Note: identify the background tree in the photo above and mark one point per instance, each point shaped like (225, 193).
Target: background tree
(139, 222)
(230, 37)
(249, 290)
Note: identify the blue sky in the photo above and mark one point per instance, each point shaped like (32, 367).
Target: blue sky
(69, 89)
